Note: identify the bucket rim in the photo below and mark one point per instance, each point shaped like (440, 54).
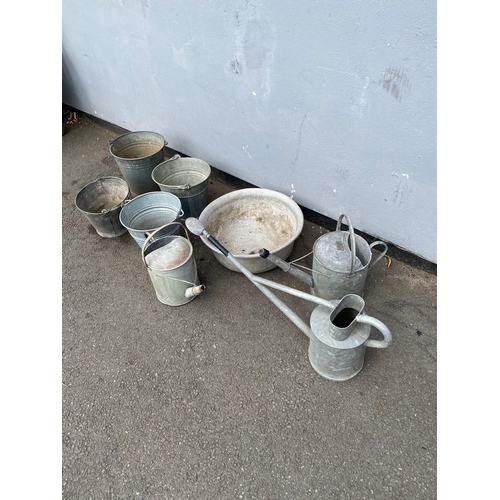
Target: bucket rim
(155, 194)
(207, 171)
(175, 210)
(134, 230)
(114, 207)
(121, 158)
(183, 159)
(184, 187)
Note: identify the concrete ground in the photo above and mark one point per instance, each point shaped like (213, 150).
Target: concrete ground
(217, 399)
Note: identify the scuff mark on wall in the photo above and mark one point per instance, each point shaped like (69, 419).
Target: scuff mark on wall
(359, 100)
(236, 68)
(245, 148)
(343, 143)
(342, 172)
(255, 42)
(402, 190)
(299, 143)
(179, 56)
(395, 82)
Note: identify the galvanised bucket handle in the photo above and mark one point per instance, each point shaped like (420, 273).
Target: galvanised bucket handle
(113, 140)
(180, 214)
(380, 344)
(181, 188)
(375, 243)
(353, 240)
(186, 187)
(121, 205)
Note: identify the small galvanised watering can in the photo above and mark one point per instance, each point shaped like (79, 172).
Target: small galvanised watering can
(341, 260)
(171, 266)
(339, 330)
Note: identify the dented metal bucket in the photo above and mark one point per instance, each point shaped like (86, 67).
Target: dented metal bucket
(101, 202)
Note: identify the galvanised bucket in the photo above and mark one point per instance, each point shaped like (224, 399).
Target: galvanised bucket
(187, 178)
(137, 154)
(341, 260)
(101, 202)
(148, 212)
(171, 266)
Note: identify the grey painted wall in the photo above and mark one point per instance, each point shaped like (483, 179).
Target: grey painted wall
(330, 102)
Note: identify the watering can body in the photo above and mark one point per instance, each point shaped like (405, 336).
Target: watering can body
(331, 281)
(339, 338)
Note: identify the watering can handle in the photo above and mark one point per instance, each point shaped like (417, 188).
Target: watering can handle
(380, 344)
(353, 239)
(384, 251)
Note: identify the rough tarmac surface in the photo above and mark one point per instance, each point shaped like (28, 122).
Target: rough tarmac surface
(217, 399)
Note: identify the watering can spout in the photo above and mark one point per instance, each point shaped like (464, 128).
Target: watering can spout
(193, 291)
(287, 267)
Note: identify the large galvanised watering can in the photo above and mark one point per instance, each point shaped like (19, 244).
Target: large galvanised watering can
(341, 260)
(339, 330)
